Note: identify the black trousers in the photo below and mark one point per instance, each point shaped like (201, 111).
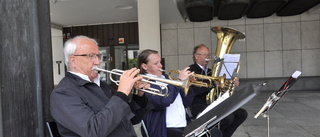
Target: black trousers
(230, 123)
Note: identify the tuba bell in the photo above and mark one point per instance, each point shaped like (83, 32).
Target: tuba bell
(225, 39)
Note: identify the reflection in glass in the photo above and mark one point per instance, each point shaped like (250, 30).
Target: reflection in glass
(105, 63)
(120, 57)
(132, 56)
(125, 57)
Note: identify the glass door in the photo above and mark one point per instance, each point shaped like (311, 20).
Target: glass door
(132, 56)
(121, 57)
(105, 63)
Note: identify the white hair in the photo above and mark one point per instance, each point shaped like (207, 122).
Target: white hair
(71, 45)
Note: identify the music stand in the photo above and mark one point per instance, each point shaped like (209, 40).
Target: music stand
(220, 111)
(276, 96)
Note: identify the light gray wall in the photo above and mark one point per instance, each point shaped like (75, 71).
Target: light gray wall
(274, 46)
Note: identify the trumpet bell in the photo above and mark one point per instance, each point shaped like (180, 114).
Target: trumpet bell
(213, 93)
(223, 81)
(186, 86)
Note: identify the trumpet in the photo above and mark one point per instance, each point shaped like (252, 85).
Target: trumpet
(198, 83)
(182, 84)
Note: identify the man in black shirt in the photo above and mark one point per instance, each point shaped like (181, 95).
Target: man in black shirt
(229, 124)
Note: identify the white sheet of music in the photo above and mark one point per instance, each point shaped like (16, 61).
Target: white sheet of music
(296, 74)
(230, 64)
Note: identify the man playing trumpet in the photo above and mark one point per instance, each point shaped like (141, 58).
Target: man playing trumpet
(83, 106)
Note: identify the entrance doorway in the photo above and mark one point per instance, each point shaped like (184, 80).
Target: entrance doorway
(121, 57)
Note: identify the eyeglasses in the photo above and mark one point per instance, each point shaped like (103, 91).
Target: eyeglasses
(91, 55)
(206, 55)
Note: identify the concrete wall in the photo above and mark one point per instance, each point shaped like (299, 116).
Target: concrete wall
(274, 46)
(274, 84)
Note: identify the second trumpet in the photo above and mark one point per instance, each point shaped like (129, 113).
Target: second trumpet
(200, 79)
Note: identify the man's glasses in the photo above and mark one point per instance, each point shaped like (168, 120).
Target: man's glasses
(206, 55)
(91, 55)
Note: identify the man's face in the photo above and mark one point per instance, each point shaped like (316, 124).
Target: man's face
(84, 64)
(200, 56)
(154, 65)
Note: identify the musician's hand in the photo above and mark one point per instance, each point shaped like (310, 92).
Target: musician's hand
(185, 73)
(236, 82)
(217, 83)
(192, 78)
(128, 79)
(141, 85)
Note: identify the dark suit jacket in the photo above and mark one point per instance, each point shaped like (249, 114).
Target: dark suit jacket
(199, 101)
(82, 108)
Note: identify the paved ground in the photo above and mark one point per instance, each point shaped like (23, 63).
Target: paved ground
(297, 114)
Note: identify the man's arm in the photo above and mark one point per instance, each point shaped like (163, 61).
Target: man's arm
(139, 106)
(78, 114)
(187, 99)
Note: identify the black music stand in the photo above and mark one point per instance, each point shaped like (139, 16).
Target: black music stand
(276, 96)
(220, 111)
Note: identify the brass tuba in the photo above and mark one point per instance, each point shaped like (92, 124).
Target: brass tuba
(225, 39)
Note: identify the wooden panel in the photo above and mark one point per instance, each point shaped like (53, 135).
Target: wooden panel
(79, 31)
(110, 37)
(136, 33)
(74, 31)
(109, 34)
(105, 35)
(116, 34)
(84, 30)
(90, 33)
(131, 33)
(94, 32)
(100, 34)
(126, 33)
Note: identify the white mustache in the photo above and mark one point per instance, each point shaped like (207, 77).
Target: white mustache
(94, 68)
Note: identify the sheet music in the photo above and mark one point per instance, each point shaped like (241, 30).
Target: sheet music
(230, 64)
(296, 74)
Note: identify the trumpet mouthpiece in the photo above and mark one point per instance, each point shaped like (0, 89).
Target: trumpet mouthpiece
(162, 70)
